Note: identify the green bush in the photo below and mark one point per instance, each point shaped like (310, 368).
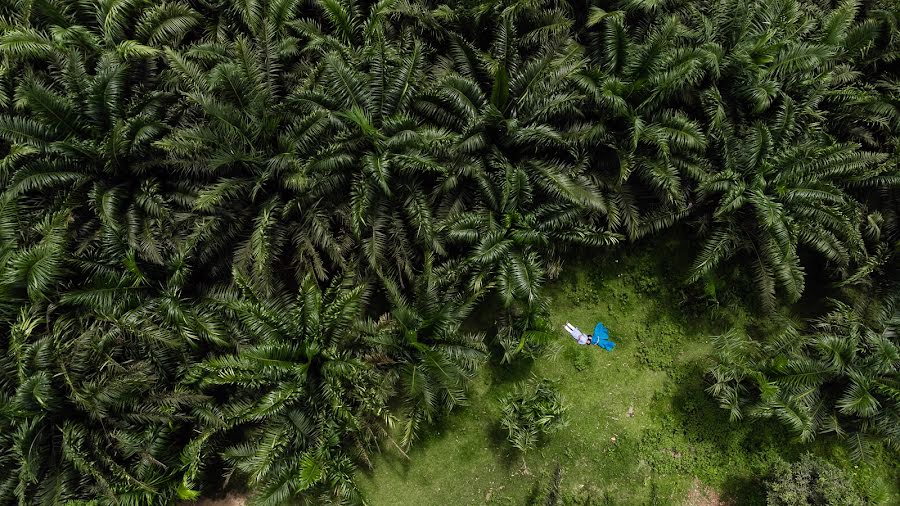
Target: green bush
(583, 361)
(581, 358)
(811, 481)
(660, 343)
(523, 333)
(533, 410)
(548, 491)
(836, 376)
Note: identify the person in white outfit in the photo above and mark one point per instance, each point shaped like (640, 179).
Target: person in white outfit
(577, 334)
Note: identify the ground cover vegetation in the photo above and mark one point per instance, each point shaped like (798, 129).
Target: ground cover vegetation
(257, 241)
(641, 428)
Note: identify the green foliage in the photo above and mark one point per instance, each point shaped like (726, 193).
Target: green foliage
(582, 358)
(658, 345)
(691, 436)
(523, 332)
(811, 481)
(180, 180)
(91, 393)
(534, 410)
(297, 391)
(551, 493)
(423, 351)
(461, 462)
(839, 378)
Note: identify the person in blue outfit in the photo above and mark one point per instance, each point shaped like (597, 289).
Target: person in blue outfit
(577, 334)
(606, 344)
(600, 337)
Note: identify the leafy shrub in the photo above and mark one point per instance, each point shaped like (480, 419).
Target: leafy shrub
(659, 345)
(548, 491)
(811, 481)
(524, 331)
(583, 359)
(646, 281)
(837, 377)
(533, 410)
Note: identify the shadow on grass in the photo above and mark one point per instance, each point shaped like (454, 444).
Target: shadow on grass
(400, 460)
(511, 373)
(729, 455)
(499, 378)
(509, 457)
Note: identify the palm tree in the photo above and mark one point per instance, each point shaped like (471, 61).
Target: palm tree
(390, 197)
(263, 111)
(422, 349)
(92, 405)
(780, 180)
(519, 195)
(296, 394)
(643, 81)
(243, 143)
(839, 378)
(88, 109)
(781, 189)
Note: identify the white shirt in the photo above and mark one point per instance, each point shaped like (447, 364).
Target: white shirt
(577, 334)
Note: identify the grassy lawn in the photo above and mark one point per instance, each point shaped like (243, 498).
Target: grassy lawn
(675, 442)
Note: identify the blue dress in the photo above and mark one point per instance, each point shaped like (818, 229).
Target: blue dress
(601, 338)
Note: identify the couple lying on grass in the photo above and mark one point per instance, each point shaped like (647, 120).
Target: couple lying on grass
(600, 337)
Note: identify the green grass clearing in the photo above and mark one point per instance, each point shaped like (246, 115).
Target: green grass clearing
(675, 437)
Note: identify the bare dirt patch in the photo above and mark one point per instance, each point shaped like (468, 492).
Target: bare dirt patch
(702, 495)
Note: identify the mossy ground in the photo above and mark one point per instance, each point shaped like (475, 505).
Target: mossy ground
(675, 436)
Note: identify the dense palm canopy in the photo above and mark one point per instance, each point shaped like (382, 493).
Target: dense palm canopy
(296, 387)
(840, 377)
(249, 239)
